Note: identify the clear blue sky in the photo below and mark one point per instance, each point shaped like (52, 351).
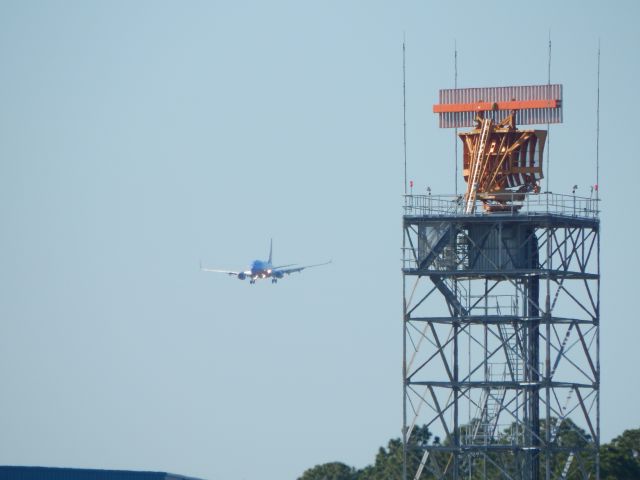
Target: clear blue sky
(137, 138)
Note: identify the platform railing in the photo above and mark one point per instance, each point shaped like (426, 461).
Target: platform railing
(528, 203)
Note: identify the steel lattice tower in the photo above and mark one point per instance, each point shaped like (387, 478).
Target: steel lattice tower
(501, 331)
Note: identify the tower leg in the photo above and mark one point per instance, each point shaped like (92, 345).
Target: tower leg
(532, 312)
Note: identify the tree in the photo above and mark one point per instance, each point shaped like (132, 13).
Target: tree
(388, 463)
(619, 460)
(330, 471)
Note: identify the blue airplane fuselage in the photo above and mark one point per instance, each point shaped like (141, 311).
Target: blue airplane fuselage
(259, 267)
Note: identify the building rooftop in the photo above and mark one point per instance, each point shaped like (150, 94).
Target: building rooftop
(53, 473)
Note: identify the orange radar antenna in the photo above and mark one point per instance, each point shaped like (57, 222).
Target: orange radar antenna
(500, 162)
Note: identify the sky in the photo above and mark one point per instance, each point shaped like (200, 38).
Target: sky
(140, 138)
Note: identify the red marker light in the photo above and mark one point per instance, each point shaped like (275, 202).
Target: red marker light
(411, 183)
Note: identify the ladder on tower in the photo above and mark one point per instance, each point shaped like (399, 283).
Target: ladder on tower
(493, 403)
(476, 166)
(509, 335)
(491, 406)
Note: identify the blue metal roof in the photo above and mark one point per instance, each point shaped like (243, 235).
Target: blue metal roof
(51, 473)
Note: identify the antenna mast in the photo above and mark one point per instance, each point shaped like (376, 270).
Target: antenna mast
(404, 110)
(455, 85)
(548, 125)
(598, 127)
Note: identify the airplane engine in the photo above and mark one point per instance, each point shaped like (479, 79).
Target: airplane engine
(278, 274)
(242, 276)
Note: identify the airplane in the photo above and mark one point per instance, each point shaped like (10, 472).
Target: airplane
(260, 269)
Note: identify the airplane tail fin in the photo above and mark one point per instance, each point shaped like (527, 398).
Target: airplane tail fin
(270, 251)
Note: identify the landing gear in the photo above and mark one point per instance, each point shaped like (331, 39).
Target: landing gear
(252, 281)
(274, 280)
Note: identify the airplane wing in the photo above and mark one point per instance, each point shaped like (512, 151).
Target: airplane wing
(288, 271)
(228, 272)
(282, 266)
